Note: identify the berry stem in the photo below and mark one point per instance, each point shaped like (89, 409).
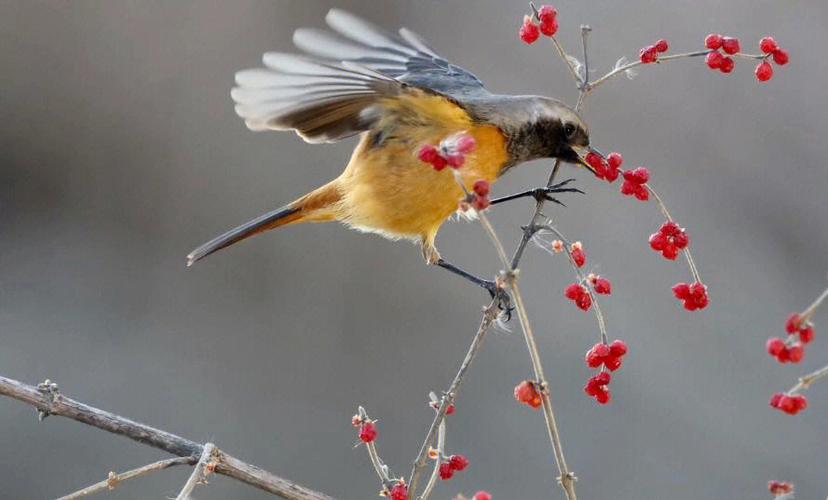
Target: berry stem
(686, 251)
(805, 381)
(809, 312)
(559, 47)
(435, 473)
(599, 316)
(380, 467)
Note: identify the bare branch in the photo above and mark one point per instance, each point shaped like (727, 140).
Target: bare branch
(48, 401)
(114, 479)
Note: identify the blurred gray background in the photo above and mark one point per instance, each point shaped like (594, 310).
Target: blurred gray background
(120, 152)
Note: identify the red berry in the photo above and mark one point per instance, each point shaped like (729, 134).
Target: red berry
(727, 65)
(806, 334)
(792, 323)
(661, 45)
(657, 241)
(481, 203)
(775, 399)
(428, 153)
(779, 488)
(780, 57)
(768, 45)
(446, 471)
(713, 41)
(549, 27)
(614, 160)
(367, 432)
(547, 13)
(455, 160)
(602, 378)
(458, 462)
(527, 393)
(648, 54)
(602, 286)
(399, 491)
(612, 363)
(618, 348)
(584, 302)
(800, 401)
(481, 187)
(639, 175)
(730, 45)
(681, 290)
(573, 291)
(482, 495)
(796, 352)
(764, 71)
(774, 346)
(578, 255)
(529, 31)
(603, 397)
(714, 60)
(465, 144)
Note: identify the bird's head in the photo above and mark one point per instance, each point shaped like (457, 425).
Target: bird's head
(546, 128)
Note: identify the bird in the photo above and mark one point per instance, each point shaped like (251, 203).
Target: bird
(396, 93)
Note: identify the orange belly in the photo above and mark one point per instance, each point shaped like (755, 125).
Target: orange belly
(387, 190)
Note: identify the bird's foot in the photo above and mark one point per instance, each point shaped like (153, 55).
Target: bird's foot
(542, 193)
(502, 299)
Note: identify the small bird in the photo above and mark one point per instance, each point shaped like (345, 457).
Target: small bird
(398, 94)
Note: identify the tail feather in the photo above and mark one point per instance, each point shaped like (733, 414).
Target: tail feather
(270, 220)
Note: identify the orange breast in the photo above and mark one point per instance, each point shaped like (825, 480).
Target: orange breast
(387, 190)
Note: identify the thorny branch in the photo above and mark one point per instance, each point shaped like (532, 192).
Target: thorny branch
(48, 401)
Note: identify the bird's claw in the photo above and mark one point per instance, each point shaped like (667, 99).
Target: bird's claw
(501, 297)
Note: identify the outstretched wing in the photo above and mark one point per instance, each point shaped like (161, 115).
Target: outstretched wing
(341, 89)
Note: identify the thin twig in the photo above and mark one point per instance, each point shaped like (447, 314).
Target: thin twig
(200, 472)
(114, 479)
(51, 402)
(449, 397)
(805, 381)
(811, 309)
(435, 472)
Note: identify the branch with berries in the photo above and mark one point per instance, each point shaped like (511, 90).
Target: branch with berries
(669, 240)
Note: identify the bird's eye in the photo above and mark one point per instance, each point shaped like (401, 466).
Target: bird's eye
(569, 130)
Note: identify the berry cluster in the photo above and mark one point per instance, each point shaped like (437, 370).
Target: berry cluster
(669, 240)
(608, 168)
(450, 152)
(527, 393)
(649, 54)
(547, 18)
(780, 488)
(790, 404)
(764, 71)
(454, 463)
(635, 181)
(367, 428)
(693, 295)
(791, 349)
(610, 357)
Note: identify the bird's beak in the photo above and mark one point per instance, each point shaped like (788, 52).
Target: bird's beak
(581, 153)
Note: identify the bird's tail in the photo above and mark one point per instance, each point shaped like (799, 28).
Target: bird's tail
(316, 206)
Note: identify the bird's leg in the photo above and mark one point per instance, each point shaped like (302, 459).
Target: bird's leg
(541, 193)
(504, 302)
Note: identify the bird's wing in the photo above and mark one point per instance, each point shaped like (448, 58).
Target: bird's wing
(405, 57)
(346, 83)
